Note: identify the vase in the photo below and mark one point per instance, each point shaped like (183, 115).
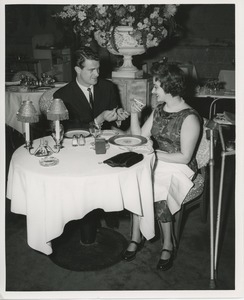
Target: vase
(123, 43)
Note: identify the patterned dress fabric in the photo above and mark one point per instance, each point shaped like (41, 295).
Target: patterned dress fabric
(166, 131)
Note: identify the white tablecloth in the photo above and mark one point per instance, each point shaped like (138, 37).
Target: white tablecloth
(52, 196)
(221, 94)
(13, 101)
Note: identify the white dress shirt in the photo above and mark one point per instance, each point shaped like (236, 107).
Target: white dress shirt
(85, 91)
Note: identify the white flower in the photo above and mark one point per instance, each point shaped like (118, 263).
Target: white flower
(101, 9)
(81, 15)
(170, 10)
(97, 21)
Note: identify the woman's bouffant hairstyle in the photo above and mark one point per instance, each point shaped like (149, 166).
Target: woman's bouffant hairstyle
(170, 76)
(83, 54)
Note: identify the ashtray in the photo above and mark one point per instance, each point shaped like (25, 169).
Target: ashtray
(49, 161)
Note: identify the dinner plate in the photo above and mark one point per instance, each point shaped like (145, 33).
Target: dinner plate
(70, 133)
(49, 161)
(43, 88)
(10, 83)
(128, 140)
(59, 84)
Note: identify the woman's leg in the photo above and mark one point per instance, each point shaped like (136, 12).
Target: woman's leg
(165, 218)
(136, 243)
(135, 232)
(166, 230)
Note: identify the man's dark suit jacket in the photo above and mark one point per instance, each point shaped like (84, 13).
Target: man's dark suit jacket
(106, 97)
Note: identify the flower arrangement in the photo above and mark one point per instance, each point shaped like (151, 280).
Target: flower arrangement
(214, 84)
(150, 23)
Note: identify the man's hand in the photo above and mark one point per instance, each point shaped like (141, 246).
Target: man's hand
(110, 115)
(116, 114)
(122, 114)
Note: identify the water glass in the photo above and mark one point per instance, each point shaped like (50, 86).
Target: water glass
(95, 130)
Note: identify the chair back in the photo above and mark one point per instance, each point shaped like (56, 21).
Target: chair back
(46, 99)
(203, 151)
(228, 77)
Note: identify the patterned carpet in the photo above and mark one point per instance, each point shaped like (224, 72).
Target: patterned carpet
(29, 270)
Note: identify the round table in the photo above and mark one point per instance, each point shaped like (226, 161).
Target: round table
(50, 197)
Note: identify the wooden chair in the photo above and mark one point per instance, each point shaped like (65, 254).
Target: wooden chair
(46, 99)
(44, 104)
(197, 194)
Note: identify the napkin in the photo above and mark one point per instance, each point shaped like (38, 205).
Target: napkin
(126, 159)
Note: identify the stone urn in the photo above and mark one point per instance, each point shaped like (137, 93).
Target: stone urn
(123, 43)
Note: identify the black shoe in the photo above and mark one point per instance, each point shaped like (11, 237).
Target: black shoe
(166, 264)
(130, 255)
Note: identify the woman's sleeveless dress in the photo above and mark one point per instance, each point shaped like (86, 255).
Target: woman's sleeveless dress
(166, 131)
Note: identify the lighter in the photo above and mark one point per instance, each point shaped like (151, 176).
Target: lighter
(100, 146)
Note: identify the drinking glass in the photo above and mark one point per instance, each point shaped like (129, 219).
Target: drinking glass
(95, 130)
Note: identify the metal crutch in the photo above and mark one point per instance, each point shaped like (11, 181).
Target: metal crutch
(212, 126)
(224, 153)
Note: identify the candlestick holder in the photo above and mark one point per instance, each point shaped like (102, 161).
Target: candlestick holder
(28, 145)
(43, 149)
(27, 114)
(57, 112)
(58, 141)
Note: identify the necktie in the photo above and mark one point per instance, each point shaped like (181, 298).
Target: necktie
(91, 98)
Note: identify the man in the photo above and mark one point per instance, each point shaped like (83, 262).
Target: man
(89, 98)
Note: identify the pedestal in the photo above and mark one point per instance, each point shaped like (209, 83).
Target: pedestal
(127, 74)
(129, 88)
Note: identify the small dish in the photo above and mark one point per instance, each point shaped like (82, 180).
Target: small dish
(70, 133)
(49, 161)
(106, 134)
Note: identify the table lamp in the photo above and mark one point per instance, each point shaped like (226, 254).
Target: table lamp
(57, 112)
(27, 114)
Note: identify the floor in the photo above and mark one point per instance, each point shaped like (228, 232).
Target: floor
(30, 271)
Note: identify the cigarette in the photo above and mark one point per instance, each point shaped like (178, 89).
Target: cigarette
(139, 103)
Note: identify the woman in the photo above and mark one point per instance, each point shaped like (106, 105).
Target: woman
(174, 128)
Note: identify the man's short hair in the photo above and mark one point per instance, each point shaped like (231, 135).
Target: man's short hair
(83, 54)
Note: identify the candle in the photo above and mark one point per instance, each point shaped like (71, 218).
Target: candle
(57, 130)
(27, 132)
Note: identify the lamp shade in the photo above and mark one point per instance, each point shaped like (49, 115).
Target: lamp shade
(27, 112)
(57, 111)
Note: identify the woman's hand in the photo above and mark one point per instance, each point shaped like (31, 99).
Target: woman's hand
(136, 106)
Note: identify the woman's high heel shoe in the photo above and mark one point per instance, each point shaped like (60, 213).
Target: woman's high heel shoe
(166, 264)
(130, 255)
